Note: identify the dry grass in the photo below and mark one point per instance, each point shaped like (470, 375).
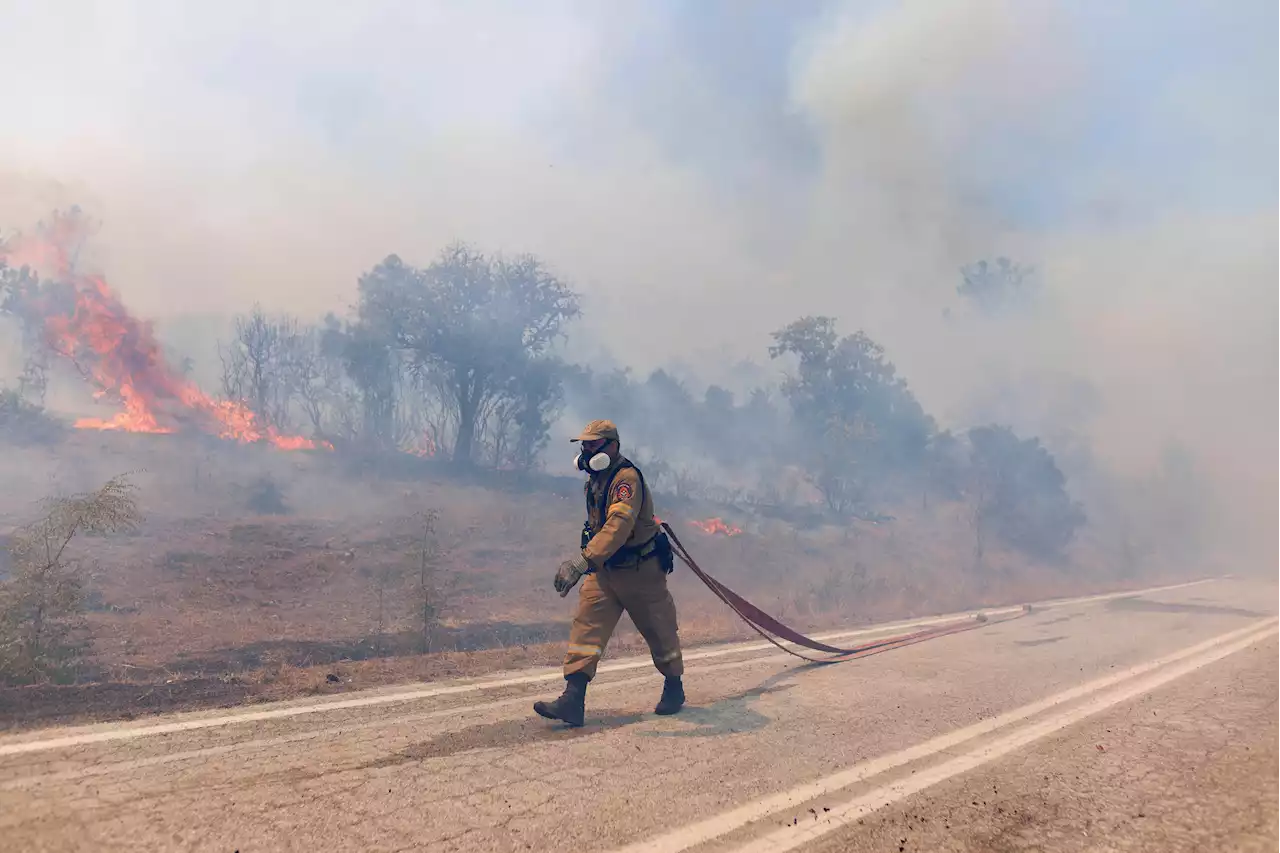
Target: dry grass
(209, 603)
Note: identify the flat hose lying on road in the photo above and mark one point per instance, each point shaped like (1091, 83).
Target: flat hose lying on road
(769, 628)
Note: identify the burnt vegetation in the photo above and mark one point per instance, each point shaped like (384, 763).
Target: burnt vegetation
(452, 378)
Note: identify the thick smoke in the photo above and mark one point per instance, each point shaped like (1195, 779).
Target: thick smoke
(705, 176)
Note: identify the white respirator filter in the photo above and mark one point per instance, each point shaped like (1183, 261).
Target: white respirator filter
(596, 463)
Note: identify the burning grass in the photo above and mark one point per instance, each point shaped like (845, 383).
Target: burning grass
(83, 320)
(713, 526)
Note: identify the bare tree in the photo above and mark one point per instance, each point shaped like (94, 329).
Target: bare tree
(42, 604)
(327, 396)
(311, 377)
(258, 367)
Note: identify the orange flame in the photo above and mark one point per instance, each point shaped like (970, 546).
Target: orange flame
(425, 447)
(715, 525)
(85, 322)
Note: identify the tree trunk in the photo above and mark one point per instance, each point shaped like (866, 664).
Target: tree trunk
(468, 409)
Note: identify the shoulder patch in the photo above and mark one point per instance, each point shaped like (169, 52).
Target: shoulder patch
(623, 491)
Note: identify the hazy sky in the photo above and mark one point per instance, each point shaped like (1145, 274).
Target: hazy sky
(686, 130)
(716, 168)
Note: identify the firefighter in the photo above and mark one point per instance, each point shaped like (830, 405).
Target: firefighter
(623, 563)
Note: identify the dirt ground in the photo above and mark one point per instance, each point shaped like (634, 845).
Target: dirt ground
(211, 603)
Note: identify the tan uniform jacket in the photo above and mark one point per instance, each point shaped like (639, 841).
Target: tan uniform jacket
(628, 517)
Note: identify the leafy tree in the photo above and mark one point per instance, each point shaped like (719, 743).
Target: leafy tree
(369, 410)
(1019, 494)
(762, 429)
(42, 603)
(997, 286)
(946, 467)
(717, 407)
(720, 423)
(520, 421)
(23, 422)
(471, 327)
(857, 418)
(22, 295)
(836, 470)
(667, 392)
(609, 394)
(662, 412)
(23, 418)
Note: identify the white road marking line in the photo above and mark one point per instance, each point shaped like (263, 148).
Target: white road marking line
(131, 732)
(349, 728)
(100, 769)
(789, 838)
(726, 822)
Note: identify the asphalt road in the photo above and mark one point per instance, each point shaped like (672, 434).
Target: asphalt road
(1139, 722)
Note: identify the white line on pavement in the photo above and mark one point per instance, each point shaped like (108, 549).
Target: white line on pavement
(789, 838)
(103, 768)
(80, 737)
(726, 822)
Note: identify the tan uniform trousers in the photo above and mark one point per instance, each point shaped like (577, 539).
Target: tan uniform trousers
(603, 596)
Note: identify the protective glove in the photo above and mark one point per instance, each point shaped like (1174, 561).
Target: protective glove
(569, 573)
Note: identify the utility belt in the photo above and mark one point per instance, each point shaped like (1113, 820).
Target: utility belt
(657, 546)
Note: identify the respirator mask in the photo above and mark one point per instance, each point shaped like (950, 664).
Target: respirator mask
(593, 464)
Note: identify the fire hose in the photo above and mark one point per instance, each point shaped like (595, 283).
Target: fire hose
(770, 628)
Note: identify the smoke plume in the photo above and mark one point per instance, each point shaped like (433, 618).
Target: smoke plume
(704, 174)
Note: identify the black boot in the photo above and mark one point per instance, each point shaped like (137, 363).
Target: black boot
(571, 706)
(672, 696)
